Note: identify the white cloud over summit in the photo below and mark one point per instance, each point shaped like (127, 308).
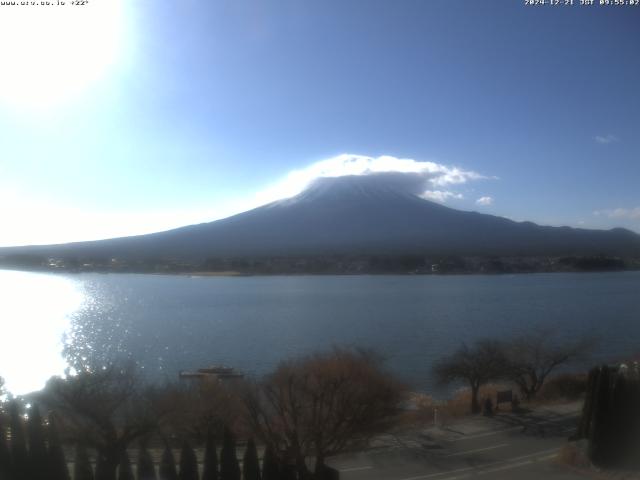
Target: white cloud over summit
(431, 179)
(440, 195)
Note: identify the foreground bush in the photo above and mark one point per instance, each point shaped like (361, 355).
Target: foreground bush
(564, 387)
(321, 405)
(611, 416)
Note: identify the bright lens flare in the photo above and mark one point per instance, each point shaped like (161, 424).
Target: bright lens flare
(52, 51)
(35, 313)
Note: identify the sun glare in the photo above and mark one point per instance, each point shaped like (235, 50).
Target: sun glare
(49, 53)
(38, 309)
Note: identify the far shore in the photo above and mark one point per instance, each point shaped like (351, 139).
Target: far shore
(236, 273)
(223, 273)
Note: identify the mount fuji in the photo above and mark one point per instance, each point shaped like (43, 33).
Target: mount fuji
(364, 214)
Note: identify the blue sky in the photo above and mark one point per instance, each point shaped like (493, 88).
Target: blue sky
(124, 118)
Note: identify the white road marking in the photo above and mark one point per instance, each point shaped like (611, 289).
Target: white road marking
(486, 434)
(506, 464)
(355, 469)
(513, 429)
(504, 467)
(457, 454)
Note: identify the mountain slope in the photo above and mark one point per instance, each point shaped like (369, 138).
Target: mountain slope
(354, 215)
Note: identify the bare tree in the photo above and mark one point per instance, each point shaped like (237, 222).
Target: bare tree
(101, 409)
(532, 356)
(476, 365)
(322, 404)
(194, 410)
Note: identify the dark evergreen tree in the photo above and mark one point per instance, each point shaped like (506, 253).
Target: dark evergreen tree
(82, 468)
(288, 471)
(618, 433)
(633, 401)
(188, 463)
(38, 457)
(250, 463)
(20, 457)
(598, 433)
(587, 407)
(619, 438)
(229, 467)
(5, 455)
(270, 465)
(125, 472)
(611, 417)
(57, 461)
(210, 471)
(168, 469)
(102, 467)
(146, 470)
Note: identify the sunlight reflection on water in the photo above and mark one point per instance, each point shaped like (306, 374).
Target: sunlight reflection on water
(36, 314)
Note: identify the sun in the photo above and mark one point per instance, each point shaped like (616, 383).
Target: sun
(52, 50)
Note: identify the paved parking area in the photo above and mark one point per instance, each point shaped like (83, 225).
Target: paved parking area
(506, 446)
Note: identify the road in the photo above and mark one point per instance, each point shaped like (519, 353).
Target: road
(506, 446)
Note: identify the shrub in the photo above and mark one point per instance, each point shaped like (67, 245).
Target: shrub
(250, 464)
(125, 472)
(38, 455)
(188, 463)
(229, 467)
(168, 470)
(564, 387)
(270, 466)
(82, 467)
(210, 471)
(146, 470)
(20, 463)
(57, 462)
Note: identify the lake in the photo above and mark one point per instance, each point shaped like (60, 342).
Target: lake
(170, 323)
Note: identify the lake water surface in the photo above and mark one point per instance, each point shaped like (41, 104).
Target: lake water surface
(171, 323)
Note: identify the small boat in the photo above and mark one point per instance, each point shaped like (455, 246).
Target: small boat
(217, 372)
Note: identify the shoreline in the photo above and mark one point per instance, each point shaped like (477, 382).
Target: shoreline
(235, 273)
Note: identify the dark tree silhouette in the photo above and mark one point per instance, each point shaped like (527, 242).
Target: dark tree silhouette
(188, 463)
(210, 471)
(229, 467)
(168, 469)
(250, 463)
(20, 458)
(270, 465)
(125, 471)
(476, 365)
(146, 470)
(82, 468)
(57, 461)
(39, 468)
